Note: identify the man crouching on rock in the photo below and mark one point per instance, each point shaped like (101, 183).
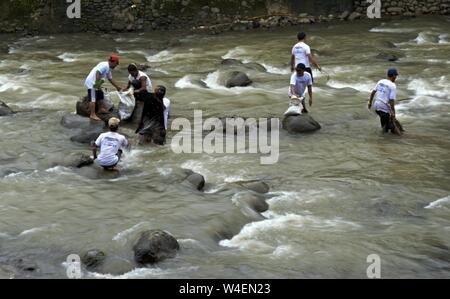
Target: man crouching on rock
(110, 144)
(95, 80)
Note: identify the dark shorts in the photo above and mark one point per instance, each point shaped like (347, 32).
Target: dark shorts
(95, 95)
(309, 70)
(386, 121)
(119, 154)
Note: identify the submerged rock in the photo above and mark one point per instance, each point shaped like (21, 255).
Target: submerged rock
(388, 56)
(154, 246)
(78, 160)
(235, 79)
(93, 258)
(5, 110)
(258, 187)
(255, 202)
(114, 266)
(300, 124)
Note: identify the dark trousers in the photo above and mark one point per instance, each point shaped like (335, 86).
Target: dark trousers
(309, 70)
(386, 121)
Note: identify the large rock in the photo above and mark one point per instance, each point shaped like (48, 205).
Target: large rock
(235, 79)
(154, 246)
(231, 62)
(83, 109)
(87, 136)
(75, 121)
(300, 124)
(5, 110)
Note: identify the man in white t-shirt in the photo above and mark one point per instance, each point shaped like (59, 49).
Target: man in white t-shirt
(110, 145)
(301, 53)
(94, 82)
(140, 81)
(300, 81)
(386, 92)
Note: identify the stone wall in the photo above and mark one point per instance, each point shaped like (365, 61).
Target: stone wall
(407, 7)
(49, 16)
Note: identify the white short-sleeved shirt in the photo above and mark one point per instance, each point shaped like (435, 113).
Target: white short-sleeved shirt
(139, 76)
(105, 72)
(386, 90)
(300, 83)
(166, 111)
(301, 52)
(109, 143)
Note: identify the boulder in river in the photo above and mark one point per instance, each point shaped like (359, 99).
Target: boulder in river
(75, 121)
(154, 246)
(5, 110)
(302, 123)
(235, 79)
(196, 180)
(84, 110)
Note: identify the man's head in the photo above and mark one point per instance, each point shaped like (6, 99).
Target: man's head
(113, 61)
(301, 36)
(133, 70)
(300, 69)
(392, 74)
(113, 124)
(160, 91)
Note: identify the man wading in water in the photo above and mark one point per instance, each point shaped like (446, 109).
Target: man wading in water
(300, 80)
(301, 53)
(386, 92)
(110, 144)
(94, 82)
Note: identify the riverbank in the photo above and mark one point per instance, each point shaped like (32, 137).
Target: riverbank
(189, 15)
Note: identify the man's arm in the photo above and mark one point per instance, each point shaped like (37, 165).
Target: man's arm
(392, 106)
(98, 80)
(292, 62)
(94, 150)
(314, 61)
(143, 84)
(369, 104)
(293, 91)
(128, 85)
(310, 95)
(115, 84)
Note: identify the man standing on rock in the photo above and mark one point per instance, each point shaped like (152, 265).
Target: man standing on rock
(300, 80)
(110, 145)
(301, 53)
(385, 92)
(96, 78)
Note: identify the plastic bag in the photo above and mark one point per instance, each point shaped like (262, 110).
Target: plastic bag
(107, 102)
(127, 104)
(295, 107)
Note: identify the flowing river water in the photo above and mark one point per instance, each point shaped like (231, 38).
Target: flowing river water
(336, 196)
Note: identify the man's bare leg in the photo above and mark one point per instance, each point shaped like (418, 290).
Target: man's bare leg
(93, 116)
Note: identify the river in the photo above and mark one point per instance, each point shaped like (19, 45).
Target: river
(336, 197)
